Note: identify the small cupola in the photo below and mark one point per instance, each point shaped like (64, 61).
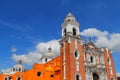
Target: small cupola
(18, 67)
(48, 56)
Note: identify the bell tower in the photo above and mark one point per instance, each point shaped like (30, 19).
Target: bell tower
(70, 26)
(72, 57)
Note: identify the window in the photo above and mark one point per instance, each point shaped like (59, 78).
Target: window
(112, 79)
(65, 32)
(74, 32)
(19, 69)
(13, 69)
(95, 76)
(52, 75)
(108, 60)
(46, 59)
(68, 19)
(38, 73)
(77, 77)
(91, 59)
(6, 78)
(19, 78)
(76, 54)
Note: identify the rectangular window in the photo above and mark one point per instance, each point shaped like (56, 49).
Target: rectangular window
(51, 75)
(38, 73)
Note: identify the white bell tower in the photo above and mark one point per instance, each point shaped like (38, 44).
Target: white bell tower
(70, 26)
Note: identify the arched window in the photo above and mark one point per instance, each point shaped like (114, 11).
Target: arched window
(76, 54)
(19, 78)
(46, 59)
(13, 69)
(65, 32)
(108, 59)
(95, 76)
(77, 77)
(5, 78)
(38, 73)
(19, 69)
(16, 69)
(112, 79)
(91, 59)
(74, 32)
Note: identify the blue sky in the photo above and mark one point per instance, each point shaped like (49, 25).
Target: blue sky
(26, 23)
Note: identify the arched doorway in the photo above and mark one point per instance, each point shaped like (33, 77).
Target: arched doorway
(6, 78)
(77, 77)
(95, 76)
(19, 78)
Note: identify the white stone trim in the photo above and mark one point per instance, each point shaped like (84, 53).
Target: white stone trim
(64, 68)
(64, 63)
(64, 54)
(77, 66)
(76, 44)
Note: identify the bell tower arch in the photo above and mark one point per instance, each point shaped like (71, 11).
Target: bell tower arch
(72, 57)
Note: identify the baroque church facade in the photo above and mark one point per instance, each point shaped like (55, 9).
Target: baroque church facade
(77, 61)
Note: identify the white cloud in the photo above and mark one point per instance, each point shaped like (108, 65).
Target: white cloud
(103, 38)
(14, 49)
(92, 32)
(6, 70)
(41, 48)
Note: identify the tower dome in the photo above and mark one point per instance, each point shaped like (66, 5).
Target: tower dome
(69, 17)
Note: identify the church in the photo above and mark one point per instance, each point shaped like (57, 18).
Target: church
(77, 60)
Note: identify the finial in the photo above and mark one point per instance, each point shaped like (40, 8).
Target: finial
(69, 14)
(19, 61)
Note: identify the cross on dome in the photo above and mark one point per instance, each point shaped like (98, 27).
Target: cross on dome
(69, 14)
(20, 62)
